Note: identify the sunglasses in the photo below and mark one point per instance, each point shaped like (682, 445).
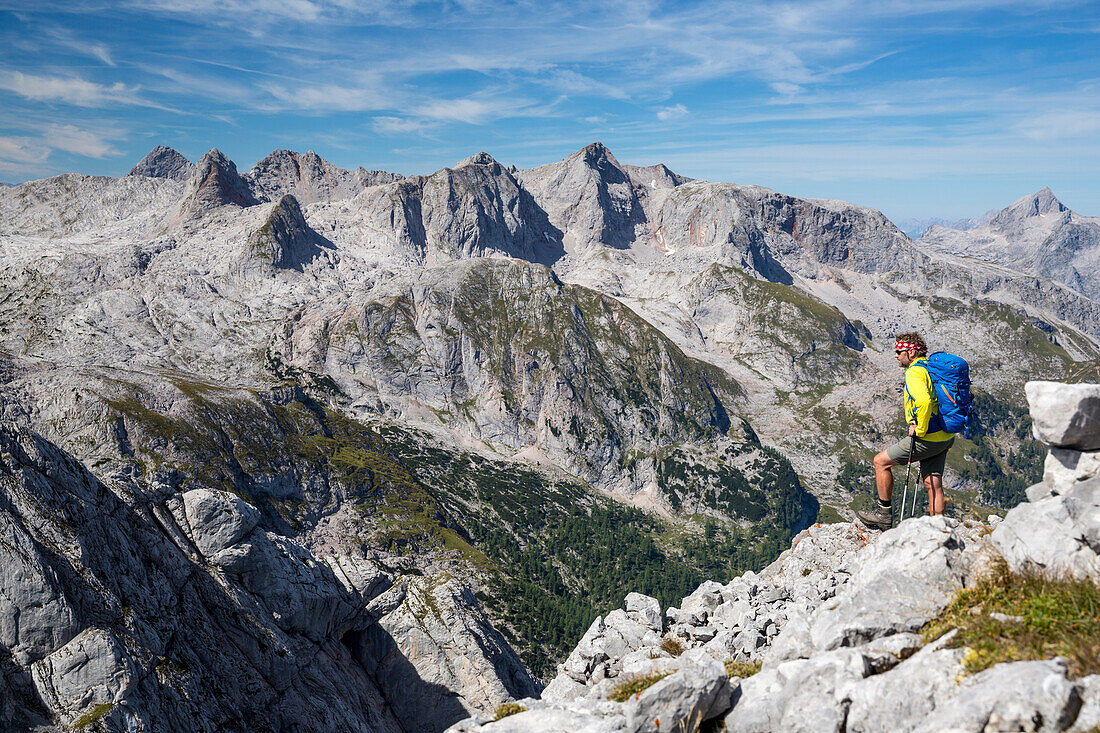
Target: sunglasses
(900, 351)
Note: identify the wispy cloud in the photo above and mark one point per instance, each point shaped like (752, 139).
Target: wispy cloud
(72, 139)
(69, 90)
(671, 113)
(21, 155)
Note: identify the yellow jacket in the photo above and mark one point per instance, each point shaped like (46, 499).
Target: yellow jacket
(921, 403)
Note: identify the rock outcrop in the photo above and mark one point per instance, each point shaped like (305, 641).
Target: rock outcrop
(833, 625)
(283, 242)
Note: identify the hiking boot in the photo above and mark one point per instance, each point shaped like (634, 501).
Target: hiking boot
(880, 517)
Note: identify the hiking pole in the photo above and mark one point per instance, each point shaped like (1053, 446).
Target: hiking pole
(905, 493)
(915, 492)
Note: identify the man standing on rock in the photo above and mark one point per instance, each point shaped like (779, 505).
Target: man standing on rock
(927, 442)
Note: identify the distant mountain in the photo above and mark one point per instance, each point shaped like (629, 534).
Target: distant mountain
(309, 178)
(163, 162)
(916, 227)
(1036, 234)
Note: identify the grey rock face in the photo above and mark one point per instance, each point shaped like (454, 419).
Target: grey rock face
(1088, 718)
(695, 689)
(217, 519)
(182, 609)
(475, 210)
(285, 241)
(1058, 534)
(1065, 415)
(897, 584)
(1036, 234)
(431, 652)
(163, 162)
(1064, 467)
(589, 197)
(92, 669)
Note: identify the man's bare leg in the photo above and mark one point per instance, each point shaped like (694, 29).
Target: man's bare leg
(884, 477)
(934, 484)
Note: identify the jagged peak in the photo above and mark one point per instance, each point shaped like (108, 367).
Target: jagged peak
(594, 153)
(1040, 203)
(481, 158)
(215, 182)
(163, 162)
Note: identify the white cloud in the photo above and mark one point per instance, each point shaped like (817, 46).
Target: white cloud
(401, 126)
(18, 152)
(471, 111)
(70, 90)
(1061, 124)
(671, 113)
(72, 139)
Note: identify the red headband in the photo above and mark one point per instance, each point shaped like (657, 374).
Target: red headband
(905, 346)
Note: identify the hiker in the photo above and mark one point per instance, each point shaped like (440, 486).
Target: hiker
(928, 440)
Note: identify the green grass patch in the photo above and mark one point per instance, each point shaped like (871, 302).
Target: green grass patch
(1058, 617)
(635, 686)
(96, 713)
(735, 668)
(508, 708)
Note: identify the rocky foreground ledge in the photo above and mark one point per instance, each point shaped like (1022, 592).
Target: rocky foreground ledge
(827, 637)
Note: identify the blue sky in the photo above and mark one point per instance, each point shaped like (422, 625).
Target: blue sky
(915, 107)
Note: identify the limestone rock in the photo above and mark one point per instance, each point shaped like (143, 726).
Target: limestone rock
(1032, 696)
(645, 609)
(1088, 718)
(309, 178)
(217, 519)
(900, 698)
(1059, 534)
(438, 660)
(91, 670)
(1065, 415)
(283, 242)
(1064, 467)
(588, 197)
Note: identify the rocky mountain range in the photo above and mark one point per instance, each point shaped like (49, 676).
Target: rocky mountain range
(371, 433)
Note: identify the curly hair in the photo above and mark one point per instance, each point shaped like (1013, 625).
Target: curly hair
(913, 337)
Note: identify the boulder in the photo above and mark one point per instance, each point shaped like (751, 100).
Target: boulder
(900, 698)
(897, 584)
(1088, 718)
(778, 698)
(91, 670)
(1016, 696)
(1065, 415)
(1059, 534)
(217, 519)
(645, 609)
(1065, 467)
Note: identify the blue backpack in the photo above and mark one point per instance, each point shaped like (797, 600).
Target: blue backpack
(951, 383)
